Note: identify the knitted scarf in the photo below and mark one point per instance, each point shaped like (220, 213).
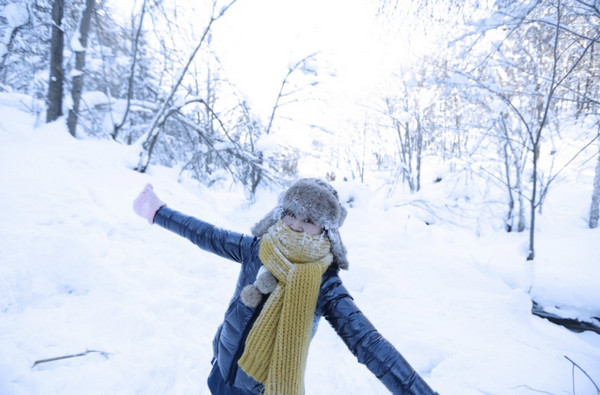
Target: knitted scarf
(277, 345)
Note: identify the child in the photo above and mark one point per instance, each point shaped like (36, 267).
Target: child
(288, 280)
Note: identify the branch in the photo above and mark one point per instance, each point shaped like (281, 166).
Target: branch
(578, 60)
(83, 354)
(214, 114)
(152, 133)
(209, 142)
(591, 6)
(535, 141)
(502, 97)
(136, 41)
(521, 20)
(280, 94)
(562, 27)
(584, 372)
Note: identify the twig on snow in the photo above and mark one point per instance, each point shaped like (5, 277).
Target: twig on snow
(82, 354)
(584, 372)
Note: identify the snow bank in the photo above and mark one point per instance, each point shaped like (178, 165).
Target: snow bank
(81, 272)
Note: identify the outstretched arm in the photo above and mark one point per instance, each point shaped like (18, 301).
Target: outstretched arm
(224, 243)
(227, 244)
(369, 346)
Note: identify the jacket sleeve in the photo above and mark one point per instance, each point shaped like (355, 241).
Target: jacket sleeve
(227, 244)
(369, 346)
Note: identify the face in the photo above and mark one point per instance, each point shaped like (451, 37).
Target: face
(300, 224)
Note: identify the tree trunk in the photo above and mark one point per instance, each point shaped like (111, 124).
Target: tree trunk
(509, 220)
(521, 225)
(55, 85)
(595, 208)
(419, 154)
(130, 82)
(513, 156)
(536, 150)
(77, 87)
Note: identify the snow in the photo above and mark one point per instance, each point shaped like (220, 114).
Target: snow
(80, 271)
(96, 98)
(16, 15)
(266, 143)
(76, 43)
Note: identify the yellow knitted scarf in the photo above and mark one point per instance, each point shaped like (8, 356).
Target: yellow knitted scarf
(277, 345)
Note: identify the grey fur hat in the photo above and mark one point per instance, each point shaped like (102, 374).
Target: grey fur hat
(315, 199)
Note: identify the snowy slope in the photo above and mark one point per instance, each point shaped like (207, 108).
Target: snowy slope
(79, 271)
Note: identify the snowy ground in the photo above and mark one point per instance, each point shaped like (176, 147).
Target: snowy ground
(79, 271)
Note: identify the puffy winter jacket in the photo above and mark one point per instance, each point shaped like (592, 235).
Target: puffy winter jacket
(334, 303)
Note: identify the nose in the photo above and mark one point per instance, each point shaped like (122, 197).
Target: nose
(296, 225)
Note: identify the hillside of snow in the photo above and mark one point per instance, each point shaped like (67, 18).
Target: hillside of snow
(80, 273)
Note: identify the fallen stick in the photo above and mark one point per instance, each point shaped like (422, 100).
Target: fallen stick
(82, 354)
(583, 371)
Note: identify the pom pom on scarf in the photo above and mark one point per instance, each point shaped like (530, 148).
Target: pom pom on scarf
(265, 283)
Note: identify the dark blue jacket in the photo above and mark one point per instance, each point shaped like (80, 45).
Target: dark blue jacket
(334, 303)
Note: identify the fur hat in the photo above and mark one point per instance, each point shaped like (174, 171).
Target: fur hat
(315, 199)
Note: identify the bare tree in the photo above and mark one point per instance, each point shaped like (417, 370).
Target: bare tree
(535, 135)
(515, 155)
(305, 66)
(55, 84)
(595, 206)
(78, 73)
(539, 57)
(19, 17)
(131, 78)
(408, 115)
(152, 135)
(410, 143)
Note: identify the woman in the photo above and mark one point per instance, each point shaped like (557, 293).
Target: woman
(289, 279)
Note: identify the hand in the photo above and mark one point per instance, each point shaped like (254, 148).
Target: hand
(147, 204)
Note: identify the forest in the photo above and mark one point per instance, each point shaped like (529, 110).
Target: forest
(509, 96)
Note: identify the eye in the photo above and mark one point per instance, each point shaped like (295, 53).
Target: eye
(289, 214)
(309, 221)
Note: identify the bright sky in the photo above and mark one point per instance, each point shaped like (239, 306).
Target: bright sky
(257, 41)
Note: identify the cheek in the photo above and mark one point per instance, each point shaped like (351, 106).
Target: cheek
(312, 229)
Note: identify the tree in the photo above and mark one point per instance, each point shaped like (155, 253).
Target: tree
(595, 206)
(562, 64)
(55, 84)
(515, 157)
(404, 113)
(17, 17)
(78, 73)
(131, 77)
(152, 134)
(532, 70)
(305, 66)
